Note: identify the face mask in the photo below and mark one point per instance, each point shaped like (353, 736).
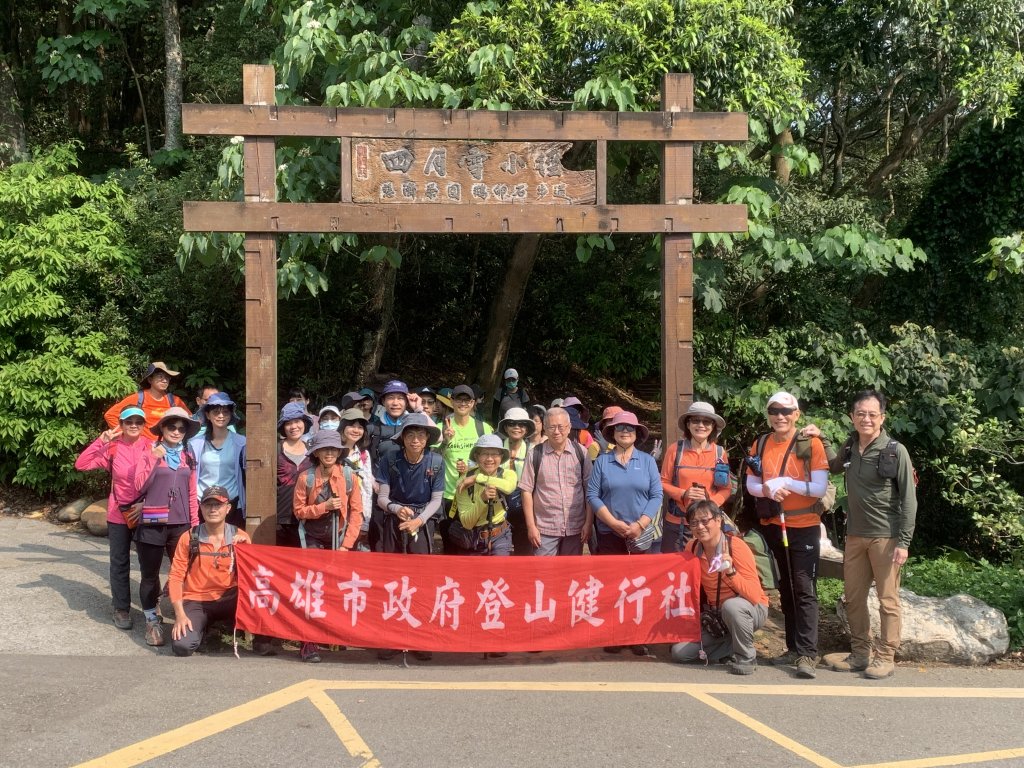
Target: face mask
(511, 384)
(330, 424)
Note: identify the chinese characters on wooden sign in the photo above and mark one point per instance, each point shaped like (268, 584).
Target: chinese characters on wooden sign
(397, 171)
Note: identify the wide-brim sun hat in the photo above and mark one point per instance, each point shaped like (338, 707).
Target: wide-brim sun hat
(325, 438)
(705, 411)
(418, 420)
(608, 413)
(445, 400)
(192, 426)
(291, 412)
(220, 399)
(352, 415)
(574, 402)
(626, 417)
(516, 416)
(489, 441)
(155, 366)
(396, 387)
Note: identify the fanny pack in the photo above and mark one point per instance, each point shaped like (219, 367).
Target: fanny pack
(155, 515)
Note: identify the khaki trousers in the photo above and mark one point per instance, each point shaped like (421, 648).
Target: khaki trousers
(866, 560)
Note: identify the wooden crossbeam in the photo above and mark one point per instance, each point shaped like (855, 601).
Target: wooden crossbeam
(522, 125)
(286, 218)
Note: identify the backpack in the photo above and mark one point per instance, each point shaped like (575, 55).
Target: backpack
(719, 453)
(538, 454)
(888, 459)
(343, 522)
(193, 546)
(767, 568)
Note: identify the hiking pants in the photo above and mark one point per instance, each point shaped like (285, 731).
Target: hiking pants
(202, 613)
(866, 560)
(798, 584)
(743, 619)
(559, 545)
(151, 557)
(119, 536)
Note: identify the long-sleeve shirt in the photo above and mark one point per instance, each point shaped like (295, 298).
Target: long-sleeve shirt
(306, 507)
(153, 407)
(806, 481)
(470, 506)
(744, 583)
(678, 474)
(165, 487)
(629, 492)
(120, 459)
(210, 576)
(879, 508)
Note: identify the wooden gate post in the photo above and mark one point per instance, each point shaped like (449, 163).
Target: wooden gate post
(677, 267)
(260, 323)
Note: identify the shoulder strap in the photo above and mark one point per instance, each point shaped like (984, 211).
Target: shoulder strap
(170, 400)
(193, 547)
(536, 457)
(142, 397)
(347, 470)
(719, 452)
(761, 441)
(579, 453)
(310, 477)
(479, 427)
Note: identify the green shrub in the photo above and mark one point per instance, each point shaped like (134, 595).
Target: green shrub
(829, 592)
(1001, 586)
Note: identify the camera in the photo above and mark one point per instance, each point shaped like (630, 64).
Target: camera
(754, 462)
(767, 508)
(711, 622)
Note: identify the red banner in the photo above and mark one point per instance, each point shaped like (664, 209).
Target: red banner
(438, 603)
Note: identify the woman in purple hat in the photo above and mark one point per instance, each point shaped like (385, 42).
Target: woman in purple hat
(292, 425)
(220, 454)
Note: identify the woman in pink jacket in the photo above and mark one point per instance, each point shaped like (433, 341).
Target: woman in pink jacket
(117, 451)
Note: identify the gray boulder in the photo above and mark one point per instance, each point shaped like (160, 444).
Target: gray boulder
(960, 629)
(94, 517)
(72, 513)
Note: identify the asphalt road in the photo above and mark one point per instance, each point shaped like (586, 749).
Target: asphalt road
(76, 691)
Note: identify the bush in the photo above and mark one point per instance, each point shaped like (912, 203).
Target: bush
(829, 592)
(1001, 586)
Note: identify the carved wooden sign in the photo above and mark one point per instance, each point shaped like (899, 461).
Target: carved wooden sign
(412, 171)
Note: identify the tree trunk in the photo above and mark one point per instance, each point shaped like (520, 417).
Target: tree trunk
(13, 147)
(173, 77)
(381, 306)
(504, 310)
(780, 164)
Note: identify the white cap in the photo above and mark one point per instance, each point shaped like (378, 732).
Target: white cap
(511, 373)
(784, 399)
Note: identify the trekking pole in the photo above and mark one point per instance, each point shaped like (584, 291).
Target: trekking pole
(334, 526)
(785, 548)
(490, 523)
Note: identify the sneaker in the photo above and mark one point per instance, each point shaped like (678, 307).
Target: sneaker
(851, 663)
(879, 669)
(122, 619)
(387, 653)
(423, 655)
(787, 659)
(154, 633)
(805, 667)
(742, 667)
(638, 650)
(310, 652)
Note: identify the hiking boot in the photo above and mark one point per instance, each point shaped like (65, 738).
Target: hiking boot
(787, 659)
(155, 633)
(310, 652)
(742, 667)
(387, 653)
(805, 667)
(879, 669)
(638, 650)
(851, 663)
(122, 619)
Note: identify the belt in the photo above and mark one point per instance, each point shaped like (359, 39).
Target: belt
(494, 533)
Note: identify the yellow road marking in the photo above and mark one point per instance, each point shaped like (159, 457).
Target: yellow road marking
(315, 692)
(349, 737)
(771, 734)
(164, 743)
(688, 688)
(936, 762)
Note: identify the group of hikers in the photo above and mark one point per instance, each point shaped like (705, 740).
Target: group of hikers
(421, 471)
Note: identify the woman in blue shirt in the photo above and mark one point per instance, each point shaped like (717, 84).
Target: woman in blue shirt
(220, 454)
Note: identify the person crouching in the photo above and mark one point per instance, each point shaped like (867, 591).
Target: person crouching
(203, 582)
(733, 603)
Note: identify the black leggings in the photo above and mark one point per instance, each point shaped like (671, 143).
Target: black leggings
(151, 557)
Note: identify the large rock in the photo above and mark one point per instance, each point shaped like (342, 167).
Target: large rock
(960, 629)
(72, 513)
(94, 517)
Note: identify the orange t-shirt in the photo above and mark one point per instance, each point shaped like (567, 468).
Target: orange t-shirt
(696, 466)
(796, 468)
(153, 407)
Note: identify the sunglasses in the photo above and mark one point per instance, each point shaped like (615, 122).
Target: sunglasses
(177, 426)
(133, 422)
(704, 522)
(779, 411)
(699, 421)
(625, 428)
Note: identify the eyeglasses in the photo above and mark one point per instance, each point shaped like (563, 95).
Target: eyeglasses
(627, 428)
(429, 401)
(703, 522)
(866, 416)
(701, 422)
(177, 426)
(779, 411)
(462, 399)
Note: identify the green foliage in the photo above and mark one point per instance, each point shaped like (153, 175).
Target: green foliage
(1001, 586)
(62, 246)
(829, 592)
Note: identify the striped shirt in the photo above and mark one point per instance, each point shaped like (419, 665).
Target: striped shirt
(559, 489)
